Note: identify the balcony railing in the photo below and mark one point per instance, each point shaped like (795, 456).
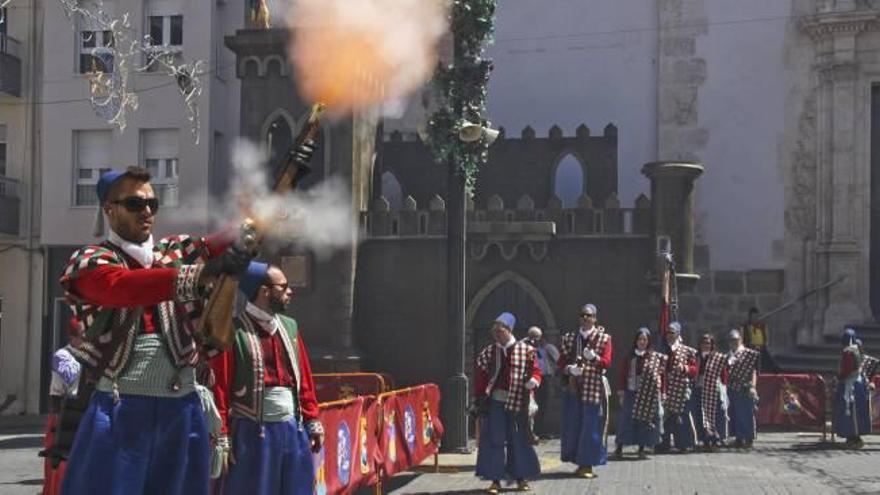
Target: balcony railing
(10, 65)
(9, 187)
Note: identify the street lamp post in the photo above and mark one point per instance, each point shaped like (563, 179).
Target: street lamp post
(461, 98)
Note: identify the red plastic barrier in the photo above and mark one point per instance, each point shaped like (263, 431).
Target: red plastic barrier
(794, 401)
(875, 403)
(341, 386)
(350, 455)
(411, 428)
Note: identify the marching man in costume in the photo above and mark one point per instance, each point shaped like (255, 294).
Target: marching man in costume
(506, 372)
(710, 395)
(641, 382)
(585, 357)
(852, 417)
(742, 364)
(681, 370)
(144, 431)
(265, 394)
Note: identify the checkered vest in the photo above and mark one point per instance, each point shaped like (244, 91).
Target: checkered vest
(869, 366)
(592, 383)
(647, 401)
(522, 365)
(711, 377)
(678, 387)
(109, 333)
(246, 399)
(742, 365)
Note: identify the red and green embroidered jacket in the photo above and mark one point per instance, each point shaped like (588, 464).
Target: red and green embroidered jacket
(241, 374)
(112, 296)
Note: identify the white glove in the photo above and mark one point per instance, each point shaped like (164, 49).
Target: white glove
(589, 355)
(532, 384)
(220, 457)
(574, 370)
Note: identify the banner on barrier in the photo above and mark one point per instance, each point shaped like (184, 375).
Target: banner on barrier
(411, 429)
(791, 400)
(350, 454)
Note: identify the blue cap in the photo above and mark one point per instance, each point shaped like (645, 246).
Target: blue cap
(848, 337)
(107, 179)
(643, 330)
(589, 309)
(253, 278)
(674, 326)
(507, 319)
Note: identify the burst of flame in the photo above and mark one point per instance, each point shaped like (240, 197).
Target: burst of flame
(355, 54)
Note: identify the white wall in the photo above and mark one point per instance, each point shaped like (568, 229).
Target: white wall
(740, 198)
(554, 65)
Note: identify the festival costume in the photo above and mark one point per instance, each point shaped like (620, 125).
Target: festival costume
(504, 376)
(678, 425)
(852, 416)
(641, 381)
(742, 365)
(585, 400)
(266, 398)
(65, 377)
(710, 398)
(144, 430)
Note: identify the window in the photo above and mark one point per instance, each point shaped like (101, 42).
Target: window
(159, 150)
(92, 56)
(2, 150)
(569, 181)
(166, 30)
(92, 155)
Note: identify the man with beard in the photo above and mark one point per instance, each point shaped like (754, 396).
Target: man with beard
(135, 303)
(265, 394)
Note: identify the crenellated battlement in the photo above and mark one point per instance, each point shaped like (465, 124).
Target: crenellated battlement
(523, 218)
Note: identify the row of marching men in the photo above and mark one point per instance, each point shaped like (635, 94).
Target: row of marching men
(670, 398)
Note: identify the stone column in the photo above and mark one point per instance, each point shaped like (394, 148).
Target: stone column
(672, 200)
(842, 177)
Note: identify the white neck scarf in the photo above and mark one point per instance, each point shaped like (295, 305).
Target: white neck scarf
(142, 253)
(640, 352)
(506, 345)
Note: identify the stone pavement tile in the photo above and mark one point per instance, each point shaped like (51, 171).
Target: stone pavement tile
(781, 463)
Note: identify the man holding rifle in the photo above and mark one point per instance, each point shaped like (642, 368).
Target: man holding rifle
(144, 430)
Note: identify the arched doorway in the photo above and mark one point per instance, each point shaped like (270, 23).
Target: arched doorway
(278, 134)
(570, 181)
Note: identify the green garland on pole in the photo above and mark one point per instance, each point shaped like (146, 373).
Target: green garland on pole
(461, 90)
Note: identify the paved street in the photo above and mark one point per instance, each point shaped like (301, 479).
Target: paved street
(781, 463)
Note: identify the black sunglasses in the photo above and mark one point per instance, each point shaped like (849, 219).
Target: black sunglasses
(283, 286)
(586, 315)
(135, 204)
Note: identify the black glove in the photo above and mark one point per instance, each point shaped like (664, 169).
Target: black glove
(234, 261)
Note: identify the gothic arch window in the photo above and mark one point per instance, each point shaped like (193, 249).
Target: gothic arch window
(278, 136)
(392, 190)
(569, 181)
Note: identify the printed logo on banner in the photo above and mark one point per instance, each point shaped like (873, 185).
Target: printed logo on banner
(392, 437)
(343, 453)
(791, 403)
(428, 424)
(409, 427)
(320, 476)
(364, 455)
